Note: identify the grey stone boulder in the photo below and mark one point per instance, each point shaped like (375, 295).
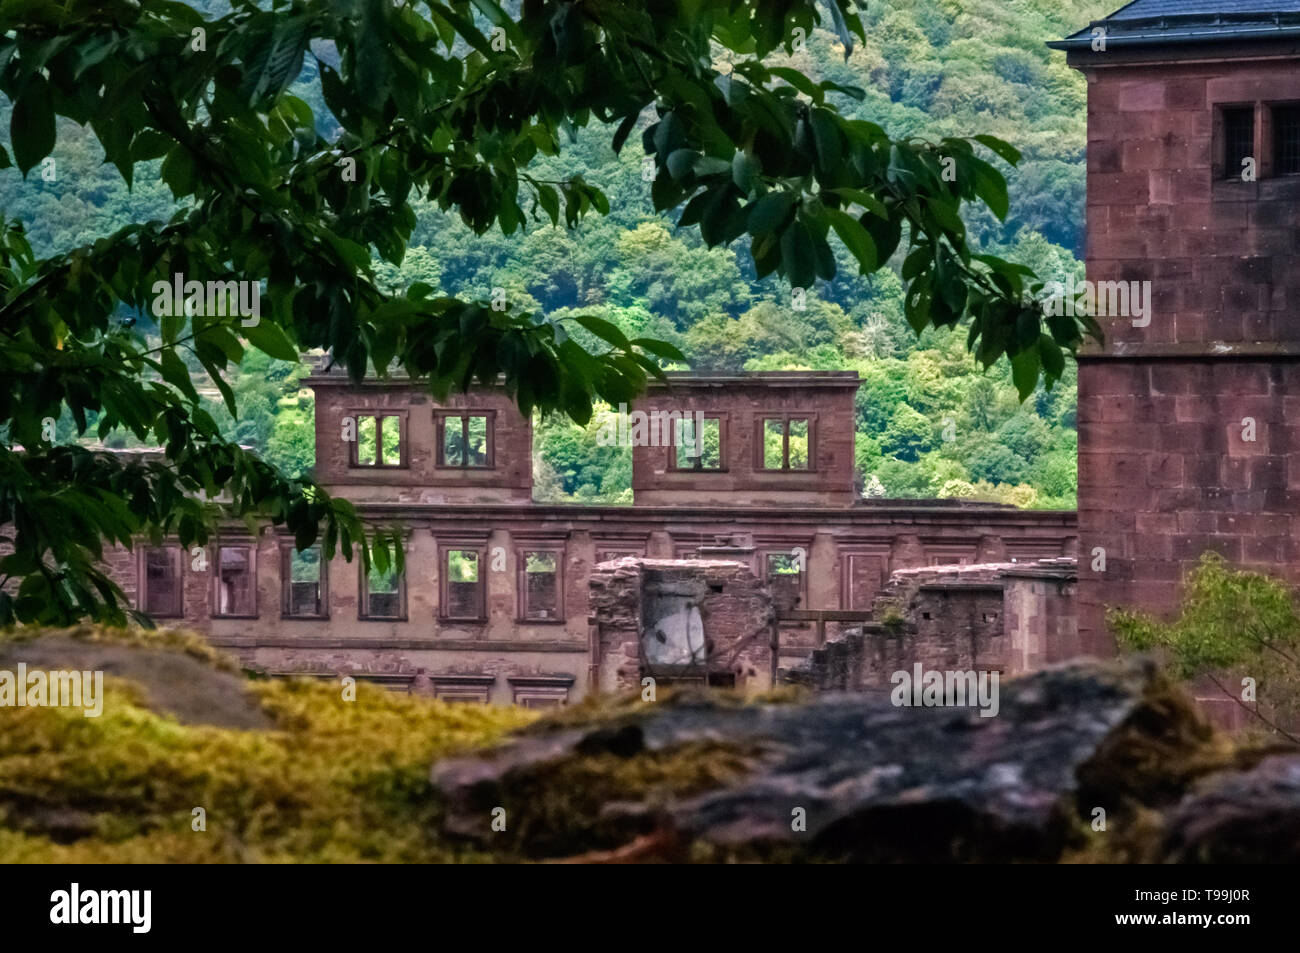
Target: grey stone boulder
(847, 777)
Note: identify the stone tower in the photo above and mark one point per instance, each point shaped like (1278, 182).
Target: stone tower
(1189, 415)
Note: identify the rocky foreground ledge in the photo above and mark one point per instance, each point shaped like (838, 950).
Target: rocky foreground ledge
(1087, 762)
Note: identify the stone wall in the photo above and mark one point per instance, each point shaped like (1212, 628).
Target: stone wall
(740, 402)
(1188, 439)
(1005, 617)
(734, 611)
(421, 478)
(837, 544)
(846, 547)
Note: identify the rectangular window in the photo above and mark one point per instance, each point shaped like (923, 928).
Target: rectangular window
(383, 594)
(773, 444)
(465, 441)
(236, 582)
(540, 691)
(470, 689)
(160, 582)
(304, 578)
(863, 579)
(540, 588)
(700, 450)
(380, 441)
(465, 696)
(1238, 139)
(784, 578)
(787, 443)
(796, 456)
(1286, 139)
(533, 700)
(463, 584)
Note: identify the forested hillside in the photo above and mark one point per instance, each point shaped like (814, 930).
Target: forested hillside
(930, 422)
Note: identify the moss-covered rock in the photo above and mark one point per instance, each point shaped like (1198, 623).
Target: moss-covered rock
(325, 780)
(291, 771)
(848, 778)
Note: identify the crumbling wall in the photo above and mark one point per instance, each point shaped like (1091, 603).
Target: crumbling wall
(1003, 617)
(1041, 614)
(634, 599)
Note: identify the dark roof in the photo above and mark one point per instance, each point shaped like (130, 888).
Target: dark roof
(1165, 22)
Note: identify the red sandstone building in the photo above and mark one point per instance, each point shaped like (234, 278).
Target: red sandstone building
(496, 600)
(1189, 425)
(1186, 444)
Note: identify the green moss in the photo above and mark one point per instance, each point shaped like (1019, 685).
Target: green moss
(166, 640)
(332, 781)
(1145, 766)
(892, 618)
(571, 806)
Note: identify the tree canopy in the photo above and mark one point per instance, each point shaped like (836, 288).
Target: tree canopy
(452, 102)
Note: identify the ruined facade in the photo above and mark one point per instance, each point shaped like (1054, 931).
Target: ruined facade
(1010, 618)
(1188, 438)
(702, 621)
(496, 603)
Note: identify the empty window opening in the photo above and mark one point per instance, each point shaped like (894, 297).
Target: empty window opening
(161, 582)
(784, 577)
(786, 443)
(698, 443)
(464, 588)
(379, 441)
(236, 582)
(466, 441)
(1286, 140)
(541, 588)
(304, 583)
(1238, 139)
(383, 594)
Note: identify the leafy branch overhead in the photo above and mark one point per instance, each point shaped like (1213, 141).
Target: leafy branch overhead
(452, 101)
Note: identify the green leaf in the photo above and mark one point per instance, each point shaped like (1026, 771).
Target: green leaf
(826, 134)
(856, 239)
(841, 27)
(990, 186)
(885, 232)
(769, 212)
(31, 126)
(745, 170)
(1050, 354)
(1003, 149)
(800, 82)
(549, 201)
(863, 198)
(681, 163)
(710, 165)
(269, 337)
(177, 374)
(605, 330)
(624, 130)
(798, 260)
(178, 171)
(661, 349)
(277, 62)
(1024, 371)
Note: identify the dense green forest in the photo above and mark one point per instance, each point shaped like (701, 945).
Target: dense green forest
(930, 422)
